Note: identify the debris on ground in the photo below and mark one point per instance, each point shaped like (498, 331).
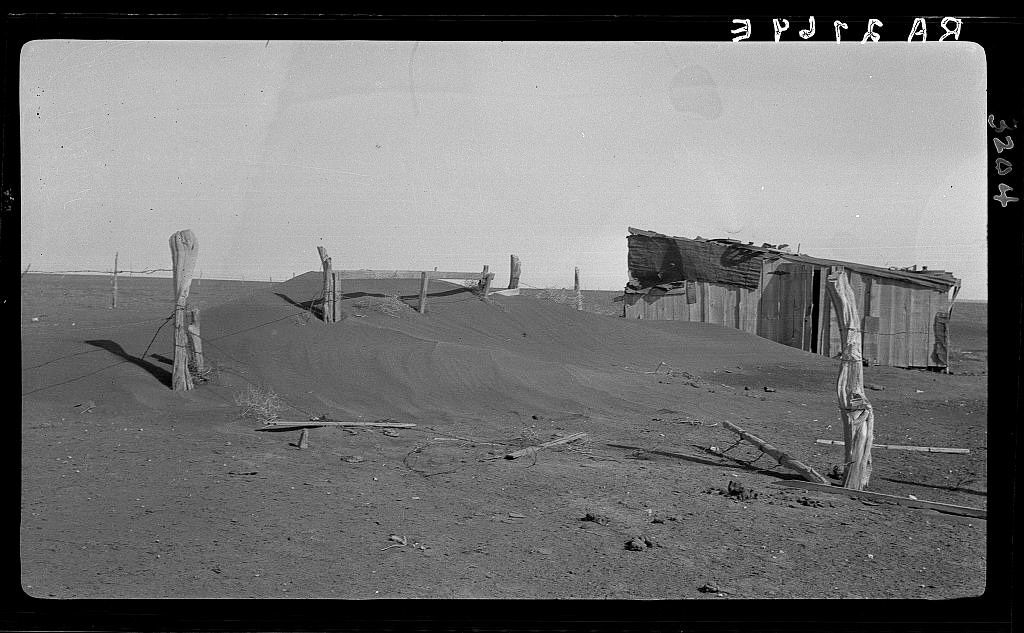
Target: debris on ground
(352, 459)
(639, 543)
(516, 515)
(600, 519)
(834, 473)
(741, 492)
(811, 502)
(874, 386)
(390, 432)
(398, 541)
(770, 389)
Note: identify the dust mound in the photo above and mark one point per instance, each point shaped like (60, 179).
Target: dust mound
(464, 356)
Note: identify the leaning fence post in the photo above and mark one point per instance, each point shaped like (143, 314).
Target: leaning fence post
(854, 408)
(183, 258)
(576, 287)
(327, 311)
(513, 277)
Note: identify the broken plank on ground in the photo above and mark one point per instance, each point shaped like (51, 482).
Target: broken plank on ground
(395, 425)
(978, 513)
(900, 447)
(532, 449)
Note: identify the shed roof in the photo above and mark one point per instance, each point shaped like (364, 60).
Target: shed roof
(656, 259)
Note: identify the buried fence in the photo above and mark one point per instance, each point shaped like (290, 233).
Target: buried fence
(331, 304)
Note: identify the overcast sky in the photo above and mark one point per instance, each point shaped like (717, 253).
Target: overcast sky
(414, 155)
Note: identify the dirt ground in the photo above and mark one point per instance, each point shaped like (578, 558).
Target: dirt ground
(130, 490)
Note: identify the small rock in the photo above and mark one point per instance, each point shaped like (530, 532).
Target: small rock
(352, 459)
(709, 587)
(769, 389)
(741, 492)
(600, 519)
(637, 544)
(390, 432)
(657, 520)
(516, 515)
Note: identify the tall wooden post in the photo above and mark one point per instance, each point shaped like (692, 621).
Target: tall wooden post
(328, 304)
(856, 411)
(424, 276)
(516, 269)
(183, 258)
(576, 287)
(113, 300)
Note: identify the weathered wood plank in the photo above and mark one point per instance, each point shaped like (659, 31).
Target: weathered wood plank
(311, 423)
(532, 449)
(978, 513)
(901, 447)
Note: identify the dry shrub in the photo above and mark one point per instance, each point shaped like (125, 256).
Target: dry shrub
(259, 402)
(390, 305)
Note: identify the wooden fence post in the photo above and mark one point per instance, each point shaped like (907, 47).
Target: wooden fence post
(424, 276)
(183, 258)
(488, 278)
(483, 278)
(576, 287)
(856, 411)
(327, 311)
(196, 341)
(513, 277)
(113, 301)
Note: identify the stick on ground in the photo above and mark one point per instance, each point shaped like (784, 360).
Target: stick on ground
(900, 447)
(312, 423)
(805, 471)
(978, 513)
(532, 449)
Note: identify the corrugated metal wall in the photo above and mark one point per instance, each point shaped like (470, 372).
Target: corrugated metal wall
(898, 319)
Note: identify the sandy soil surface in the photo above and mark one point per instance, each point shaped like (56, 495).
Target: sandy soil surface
(132, 490)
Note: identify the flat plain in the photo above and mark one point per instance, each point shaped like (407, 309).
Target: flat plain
(131, 490)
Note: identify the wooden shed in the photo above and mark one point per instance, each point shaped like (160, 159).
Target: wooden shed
(769, 291)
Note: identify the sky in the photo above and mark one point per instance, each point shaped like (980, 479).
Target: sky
(411, 155)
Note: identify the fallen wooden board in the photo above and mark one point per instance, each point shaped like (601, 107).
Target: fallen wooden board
(391, 425)
(977, 513)
(805, 471)
(900, 447)
(532, 449)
